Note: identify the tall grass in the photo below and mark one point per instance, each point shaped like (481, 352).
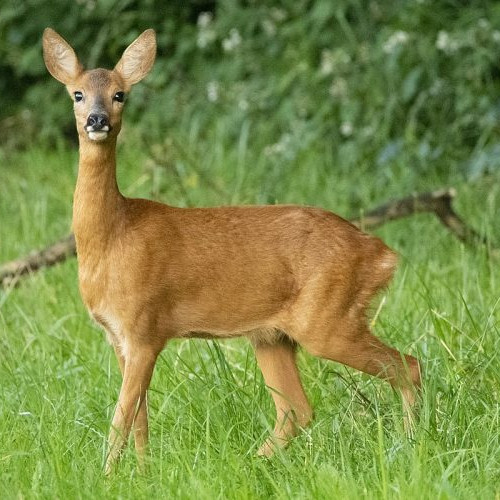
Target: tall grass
(209, 407)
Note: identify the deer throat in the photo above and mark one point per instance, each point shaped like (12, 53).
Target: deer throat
(98, 206)
(98, 203)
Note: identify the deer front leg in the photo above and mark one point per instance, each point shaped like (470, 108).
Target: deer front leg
(141, 419)
(279, 368)
(131, 407)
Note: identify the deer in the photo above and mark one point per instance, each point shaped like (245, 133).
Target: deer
(282, 276)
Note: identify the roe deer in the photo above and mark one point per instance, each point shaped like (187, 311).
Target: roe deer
(280, 275)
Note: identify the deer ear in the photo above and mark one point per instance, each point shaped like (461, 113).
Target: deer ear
(138, 58)
(60, 58)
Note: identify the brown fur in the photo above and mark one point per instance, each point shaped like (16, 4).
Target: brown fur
(280, 275)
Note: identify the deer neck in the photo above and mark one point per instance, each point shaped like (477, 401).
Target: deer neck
(97, 203)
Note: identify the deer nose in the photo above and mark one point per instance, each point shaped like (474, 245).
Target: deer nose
(97, 121)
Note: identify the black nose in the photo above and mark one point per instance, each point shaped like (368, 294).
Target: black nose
(97, 122)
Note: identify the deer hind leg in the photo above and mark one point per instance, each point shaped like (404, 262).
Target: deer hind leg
(278, 365)
(141, 418)
(360, 349)
(131, 407)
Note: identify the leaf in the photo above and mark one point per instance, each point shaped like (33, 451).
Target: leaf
(411, 83)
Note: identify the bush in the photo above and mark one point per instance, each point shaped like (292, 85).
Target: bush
(384, 82)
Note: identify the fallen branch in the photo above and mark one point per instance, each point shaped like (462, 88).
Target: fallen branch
(12, 271)
(437, 202)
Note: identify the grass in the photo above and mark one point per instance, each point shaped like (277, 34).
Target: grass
(209, 407)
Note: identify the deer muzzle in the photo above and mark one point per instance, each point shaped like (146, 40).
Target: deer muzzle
(97, 126)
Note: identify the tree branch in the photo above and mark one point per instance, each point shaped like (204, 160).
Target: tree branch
(437, 202)
(12, 271)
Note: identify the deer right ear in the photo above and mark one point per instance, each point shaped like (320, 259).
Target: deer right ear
(60, 58)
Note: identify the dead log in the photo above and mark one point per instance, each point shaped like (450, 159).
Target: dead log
(437, 202)
(11, 272)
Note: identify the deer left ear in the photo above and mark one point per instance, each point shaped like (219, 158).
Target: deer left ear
(138, 58)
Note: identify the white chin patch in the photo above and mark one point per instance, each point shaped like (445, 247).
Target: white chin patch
(98, 136)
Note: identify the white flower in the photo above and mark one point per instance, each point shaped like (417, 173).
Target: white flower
(326, 65)
(484, 24)
(346, 129)
(495, 35)
(278, 14)
(232, 41)
(213, 91)
(398, 38)
(204, 19)
(367, 131)
(445, 43)
(443, 40)
(243, 104)
(338, 88)
(279, 148)
(206, 35)
(333, 61)
(269, 27)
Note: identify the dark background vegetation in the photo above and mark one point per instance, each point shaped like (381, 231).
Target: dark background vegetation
(370, 84)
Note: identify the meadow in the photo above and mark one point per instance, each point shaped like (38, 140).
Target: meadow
(209, 406)
(321, 103)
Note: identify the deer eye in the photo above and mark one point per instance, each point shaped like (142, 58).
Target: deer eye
(119, 97)
(78, 96)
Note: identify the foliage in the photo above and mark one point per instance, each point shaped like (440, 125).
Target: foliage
(414, 82)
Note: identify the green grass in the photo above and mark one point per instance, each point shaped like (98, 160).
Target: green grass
(209, 408)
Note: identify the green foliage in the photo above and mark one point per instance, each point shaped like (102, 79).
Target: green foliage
(385, 82)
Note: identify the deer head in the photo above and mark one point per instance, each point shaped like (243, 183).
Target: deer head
(98, 94)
